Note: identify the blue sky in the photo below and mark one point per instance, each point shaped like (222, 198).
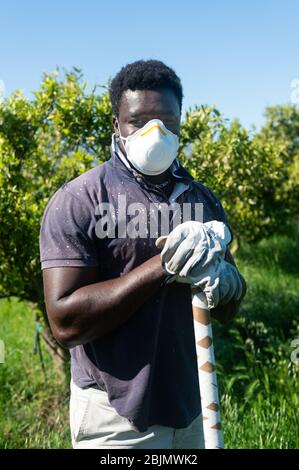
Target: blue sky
(239, 55)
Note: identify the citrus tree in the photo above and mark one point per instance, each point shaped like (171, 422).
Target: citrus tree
(66, 128)
(282, 128)
(62, 132)
(245, 170)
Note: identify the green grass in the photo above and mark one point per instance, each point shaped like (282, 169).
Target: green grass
(33, 411)
(258, 381)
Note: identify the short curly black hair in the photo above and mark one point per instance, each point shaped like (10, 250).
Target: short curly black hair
(144, 75)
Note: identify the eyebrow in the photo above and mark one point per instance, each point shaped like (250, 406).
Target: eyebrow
(135, 115)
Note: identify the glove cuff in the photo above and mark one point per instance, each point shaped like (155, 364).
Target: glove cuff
(168, 275)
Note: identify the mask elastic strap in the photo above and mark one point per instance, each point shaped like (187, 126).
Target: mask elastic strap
(119, 134)
(122, 138)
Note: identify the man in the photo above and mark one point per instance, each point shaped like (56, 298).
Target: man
(130, 331)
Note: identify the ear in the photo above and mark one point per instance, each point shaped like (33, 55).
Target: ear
(115, 124)
(160, 242)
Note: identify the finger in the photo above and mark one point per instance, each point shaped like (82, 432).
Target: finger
(172, 242)
(238, 285)
(180, 257)
(220, 230)
(160, 242)
(196, 289)
(172, 279)
(231, 279)
(214, 291)
(193, 265)
(226, 291)
(183, 280)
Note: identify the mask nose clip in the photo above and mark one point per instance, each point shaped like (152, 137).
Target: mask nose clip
(155, 126)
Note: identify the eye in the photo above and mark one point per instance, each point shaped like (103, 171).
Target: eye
(139, 123)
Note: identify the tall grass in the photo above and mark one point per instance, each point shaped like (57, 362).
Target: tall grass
(33, 410)
(258, 381)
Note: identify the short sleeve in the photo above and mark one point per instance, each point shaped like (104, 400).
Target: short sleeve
(67, 232)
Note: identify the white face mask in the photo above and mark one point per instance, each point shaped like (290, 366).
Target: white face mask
(152, 149)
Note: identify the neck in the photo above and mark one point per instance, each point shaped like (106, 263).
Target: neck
(157, 179)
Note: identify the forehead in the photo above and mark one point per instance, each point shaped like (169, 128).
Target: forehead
(149, 102)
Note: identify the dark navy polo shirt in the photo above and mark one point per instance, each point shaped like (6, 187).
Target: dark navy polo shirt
(147, 366)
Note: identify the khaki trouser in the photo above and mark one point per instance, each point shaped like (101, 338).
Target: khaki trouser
(96, 424)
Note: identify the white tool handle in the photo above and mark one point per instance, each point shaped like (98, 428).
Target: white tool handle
(207, 375)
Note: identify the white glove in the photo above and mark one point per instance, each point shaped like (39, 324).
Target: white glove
(205, 268)
(193, 242)
(220, 282)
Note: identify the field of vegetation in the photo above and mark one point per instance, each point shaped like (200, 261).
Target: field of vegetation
(63, 131)
(258, 380)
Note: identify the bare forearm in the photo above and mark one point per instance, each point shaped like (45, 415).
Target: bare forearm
(96, 309)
